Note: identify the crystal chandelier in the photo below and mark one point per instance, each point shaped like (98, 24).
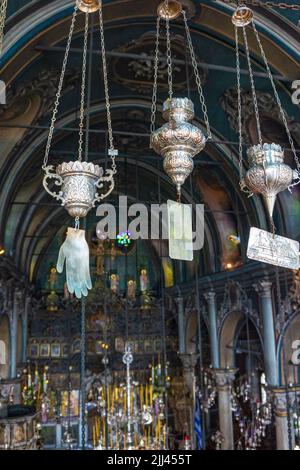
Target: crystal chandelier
(267, 174)
(177, 141)
(81, 183)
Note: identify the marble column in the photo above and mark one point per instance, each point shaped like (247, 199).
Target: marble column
(14, 335)
(25, 328)
(213, 333)
(280, 399)
(224, 379)
(265, 294)
(189, 362)
(181, 325)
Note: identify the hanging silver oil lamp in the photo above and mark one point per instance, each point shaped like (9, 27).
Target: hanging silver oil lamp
(267, 175)
(79, 183)
(177, 141)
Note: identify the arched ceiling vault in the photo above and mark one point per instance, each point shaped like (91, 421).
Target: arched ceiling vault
(29, 219)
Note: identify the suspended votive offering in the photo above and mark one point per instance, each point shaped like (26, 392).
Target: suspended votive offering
(273, 249)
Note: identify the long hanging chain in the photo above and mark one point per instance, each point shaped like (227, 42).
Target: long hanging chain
(154, 94)
(238, 73)
(282, 112)
(3, 8)
(59, 89)
(112, 151)
(83, 83)
(197, 75)
(169, 58)
(253, 88)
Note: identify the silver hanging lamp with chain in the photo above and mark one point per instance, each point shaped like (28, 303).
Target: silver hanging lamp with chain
(81, 183)
(177, 141)
(267, 174)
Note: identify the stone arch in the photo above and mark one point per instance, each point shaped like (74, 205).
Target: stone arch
(227, 338)
(4, 346)
(229, 333)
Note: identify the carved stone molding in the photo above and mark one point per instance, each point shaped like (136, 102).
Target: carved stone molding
(266, 105)
(137, 74)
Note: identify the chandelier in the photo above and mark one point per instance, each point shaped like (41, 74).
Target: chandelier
(267, 174)
(81, 183)
(131, 415)
(177, 141)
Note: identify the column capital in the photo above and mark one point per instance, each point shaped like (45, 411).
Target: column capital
(282, 399)
(189, 360)
(263, 288)
(224, 377)
(178, 299)
(210, 296)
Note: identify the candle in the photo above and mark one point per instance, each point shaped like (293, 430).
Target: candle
(151, 393)
(94, 436)
(141, 396)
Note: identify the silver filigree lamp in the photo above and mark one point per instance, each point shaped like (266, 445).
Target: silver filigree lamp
(267, 175)
(177, 141)
(81, 184)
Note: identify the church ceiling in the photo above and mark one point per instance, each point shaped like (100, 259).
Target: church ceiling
(36, 34)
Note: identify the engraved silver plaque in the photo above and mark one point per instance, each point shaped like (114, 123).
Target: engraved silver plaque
(273, 249)
(180, 231)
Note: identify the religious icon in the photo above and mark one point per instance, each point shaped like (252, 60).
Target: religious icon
(144, 280)
(34, 350)
(131, 289)
(44, 350)
(114, 283)
(52, 278)
(55, 350)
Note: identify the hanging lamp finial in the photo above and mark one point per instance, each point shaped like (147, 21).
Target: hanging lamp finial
(89, 6)
(170, 10)
(242, 16)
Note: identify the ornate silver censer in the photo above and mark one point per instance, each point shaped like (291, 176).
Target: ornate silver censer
(178, 141)
(267, 173)
(79, 183)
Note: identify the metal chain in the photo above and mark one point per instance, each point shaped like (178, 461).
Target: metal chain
(282, 112)
(83, 82)
(112, 151)
(82, 369)
(154, 94)
(253, 87)
(197, 75)
(256, 3)
(59, 89)
(238, 73)
(3, 8)
(169, 58)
